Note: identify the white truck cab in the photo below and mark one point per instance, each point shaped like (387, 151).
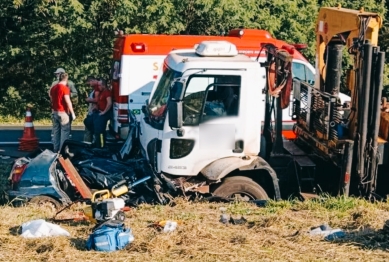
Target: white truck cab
(199, 119)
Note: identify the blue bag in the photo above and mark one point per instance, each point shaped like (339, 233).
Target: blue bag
(110, 237)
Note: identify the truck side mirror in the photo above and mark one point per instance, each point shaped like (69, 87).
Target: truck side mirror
(177, 90)
(175, 114)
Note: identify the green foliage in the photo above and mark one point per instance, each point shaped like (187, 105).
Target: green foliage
(13, 102)
(369, 5)
(216, 17)
(39, 36)
(292, 21)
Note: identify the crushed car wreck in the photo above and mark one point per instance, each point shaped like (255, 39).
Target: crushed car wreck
(38, 179)
(44, 178)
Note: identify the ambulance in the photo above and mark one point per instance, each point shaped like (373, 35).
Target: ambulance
(138, 62)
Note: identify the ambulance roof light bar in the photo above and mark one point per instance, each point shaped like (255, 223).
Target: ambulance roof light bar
(216, 48)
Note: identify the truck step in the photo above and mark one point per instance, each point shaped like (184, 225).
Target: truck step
(305, 174)
(304, 161)
(293, 149)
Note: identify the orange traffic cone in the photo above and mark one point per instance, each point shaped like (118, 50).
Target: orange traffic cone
(29, 141)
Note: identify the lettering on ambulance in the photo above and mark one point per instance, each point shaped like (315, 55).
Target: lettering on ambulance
(157, 66)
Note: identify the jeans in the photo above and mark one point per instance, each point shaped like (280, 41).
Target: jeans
(88, 136)
(52, 131)
(89, 124)
(97, 125)
(61, 129)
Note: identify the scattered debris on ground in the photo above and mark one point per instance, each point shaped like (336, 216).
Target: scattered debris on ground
(41, 228)
(327, 232)
(265, 231)
(166, 225)
(276, 232)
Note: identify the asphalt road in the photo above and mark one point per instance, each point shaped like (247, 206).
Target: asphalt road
(9, 138)
(11, 134)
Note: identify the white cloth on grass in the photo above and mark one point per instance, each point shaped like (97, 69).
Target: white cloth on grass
(41, 228)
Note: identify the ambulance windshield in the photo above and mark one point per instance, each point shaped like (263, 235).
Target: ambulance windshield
(303, 73)
(158, 103)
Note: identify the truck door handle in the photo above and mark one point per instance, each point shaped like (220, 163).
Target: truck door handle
(238, 146)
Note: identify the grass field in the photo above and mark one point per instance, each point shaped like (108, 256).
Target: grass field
(277, 232)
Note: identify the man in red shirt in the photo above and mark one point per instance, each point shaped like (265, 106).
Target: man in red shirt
(63, 111)
(94, 95)
(98, 122)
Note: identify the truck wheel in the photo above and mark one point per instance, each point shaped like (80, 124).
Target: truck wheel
(46, 201)
(241, 188)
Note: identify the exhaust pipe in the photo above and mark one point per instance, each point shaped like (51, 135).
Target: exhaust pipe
(378, 80)
(334, 69)
(363, 106)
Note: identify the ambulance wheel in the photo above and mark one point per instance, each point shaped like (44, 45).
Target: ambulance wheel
(46, 202)
(241, 188)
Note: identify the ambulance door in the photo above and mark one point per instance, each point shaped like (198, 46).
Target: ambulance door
(138, 75)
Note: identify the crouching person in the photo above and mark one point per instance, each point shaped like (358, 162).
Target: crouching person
(101, 117)
(92, 107)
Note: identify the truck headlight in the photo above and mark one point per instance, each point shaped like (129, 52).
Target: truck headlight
(180, 147)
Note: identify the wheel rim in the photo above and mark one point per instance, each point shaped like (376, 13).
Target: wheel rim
(45, 204)
(242, 196)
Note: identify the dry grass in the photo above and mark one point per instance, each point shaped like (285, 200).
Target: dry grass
(5, 169)
(277, 232)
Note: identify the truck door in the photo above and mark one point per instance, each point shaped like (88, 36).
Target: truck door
(211, 124)
(154, 113)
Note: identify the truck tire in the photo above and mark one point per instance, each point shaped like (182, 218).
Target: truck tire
(242, 188)
(46, 201)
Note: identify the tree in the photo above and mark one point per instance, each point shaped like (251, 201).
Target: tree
(212, 17)
(292, 21)
(39, 36)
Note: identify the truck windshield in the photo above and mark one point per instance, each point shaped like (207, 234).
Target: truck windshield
(158, 103)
